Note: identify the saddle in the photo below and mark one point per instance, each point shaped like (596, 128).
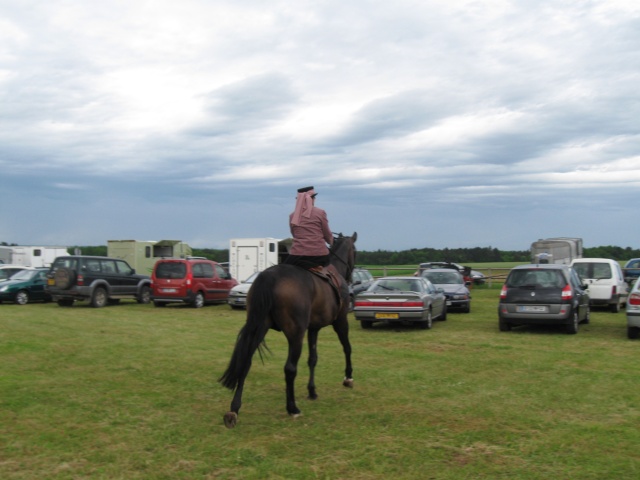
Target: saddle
(330, 275)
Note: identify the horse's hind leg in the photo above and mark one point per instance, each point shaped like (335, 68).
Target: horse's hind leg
(290, 371)
(341, 327)
(312, 337)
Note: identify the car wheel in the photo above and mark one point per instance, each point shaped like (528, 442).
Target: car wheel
(64, 278)
(22, 297)
(198, 301)
(615, 307)
(633, 333)
(159, 304)
(351, 303)
(145, 295)
(366, 324)
(467, 309)
(587, 317)
(429, 321)
(99, 298)
(504, 325)
(443, 317)
(65, 302)
(572, 328)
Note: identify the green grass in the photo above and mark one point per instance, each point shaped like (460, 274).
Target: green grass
(130, 392)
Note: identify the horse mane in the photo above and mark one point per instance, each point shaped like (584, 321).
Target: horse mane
(336, 250)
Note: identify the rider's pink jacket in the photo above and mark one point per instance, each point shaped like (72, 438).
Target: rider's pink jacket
(311, 235)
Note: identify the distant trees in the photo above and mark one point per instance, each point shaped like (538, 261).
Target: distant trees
(413, 256)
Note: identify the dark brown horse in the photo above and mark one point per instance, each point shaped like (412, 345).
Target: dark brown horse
(294, 301)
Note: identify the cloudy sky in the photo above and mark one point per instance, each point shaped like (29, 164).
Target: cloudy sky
(432, 123)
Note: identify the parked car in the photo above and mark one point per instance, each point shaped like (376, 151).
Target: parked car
(361, 279)
(192, 281)
(238, 294)
(632, 271)
(100, 280)
(633, 311)
(605, 281)
(25, 286)
(401, 300)
(476, 276)
(454, 286)
(543, 294)
(7, 270)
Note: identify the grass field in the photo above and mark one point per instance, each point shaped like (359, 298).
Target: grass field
(130, 392)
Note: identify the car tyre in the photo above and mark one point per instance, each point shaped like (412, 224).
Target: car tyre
(65, 302)
(351, 303)
(633, 333)
(159, 304)
(99, 298)
(198, 300)
(587, 317)
(145, 295)
(428, 323)
(22, 297)
(443, 317)
(366, 324)
(467, 309)
(64, 278)
(615, 307)
(504, 325)
(572, 328)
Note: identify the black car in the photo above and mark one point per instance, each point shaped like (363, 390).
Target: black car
(544, 294)
(454, 286)
(478, 278)
(100, 280)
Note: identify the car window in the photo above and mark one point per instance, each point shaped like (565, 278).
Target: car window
(220, 271)
(123, 267)
(108, 266)
(65, 262)
(538, 278)
(167, 270)
(91, 265)
(202, 270)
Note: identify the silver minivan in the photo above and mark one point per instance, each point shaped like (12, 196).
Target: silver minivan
(605, 281)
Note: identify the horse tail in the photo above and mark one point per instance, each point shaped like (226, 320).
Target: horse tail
(252, 334)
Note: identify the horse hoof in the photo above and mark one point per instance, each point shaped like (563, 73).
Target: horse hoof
(348, 382)
(295, 415)
(230, 419)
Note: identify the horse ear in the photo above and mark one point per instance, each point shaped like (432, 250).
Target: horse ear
(354, 237)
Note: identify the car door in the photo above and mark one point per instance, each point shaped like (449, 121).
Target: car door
(122, 278)
(224, 282)
(204, 278)
(37, 285)
(582, 294)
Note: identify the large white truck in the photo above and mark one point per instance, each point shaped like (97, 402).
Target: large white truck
(31, 256)
(143, 254)
(556, 250)
(250, 255)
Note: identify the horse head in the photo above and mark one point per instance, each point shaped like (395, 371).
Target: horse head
(344, 251)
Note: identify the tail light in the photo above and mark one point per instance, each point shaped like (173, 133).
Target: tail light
(503, 292)
(567, 293)
(614, 290)
(189, 279)
(80, 280)
(634, 299)
(369, 303)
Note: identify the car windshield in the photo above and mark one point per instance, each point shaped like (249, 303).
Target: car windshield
(24, 275)
(396, 285)
(536, 278)
(7, 273)
(251, 278)
(444, 278)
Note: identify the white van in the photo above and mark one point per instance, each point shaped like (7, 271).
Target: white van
(605, 280)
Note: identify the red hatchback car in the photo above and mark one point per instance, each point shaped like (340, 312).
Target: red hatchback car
(194, 281)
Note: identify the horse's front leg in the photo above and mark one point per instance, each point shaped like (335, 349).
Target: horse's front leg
(312, 337)
(290, 371)
(341, 327)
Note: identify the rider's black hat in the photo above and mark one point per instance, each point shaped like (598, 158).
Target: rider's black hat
(307, 189)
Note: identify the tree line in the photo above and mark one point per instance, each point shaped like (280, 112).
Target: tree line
(415, 256)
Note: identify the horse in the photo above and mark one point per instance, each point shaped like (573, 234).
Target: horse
(293, 300)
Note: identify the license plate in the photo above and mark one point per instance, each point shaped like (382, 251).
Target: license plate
(51, 282)
(169, 290)
(387, 315)
(533, 308)
(448, 304)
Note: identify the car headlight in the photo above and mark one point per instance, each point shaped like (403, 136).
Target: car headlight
(4, 288)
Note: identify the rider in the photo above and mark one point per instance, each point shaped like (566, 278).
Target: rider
(310, 230)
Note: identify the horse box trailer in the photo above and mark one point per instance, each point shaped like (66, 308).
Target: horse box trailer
(250, 255)
(30, 256)
(556, 250)
(143, 255)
